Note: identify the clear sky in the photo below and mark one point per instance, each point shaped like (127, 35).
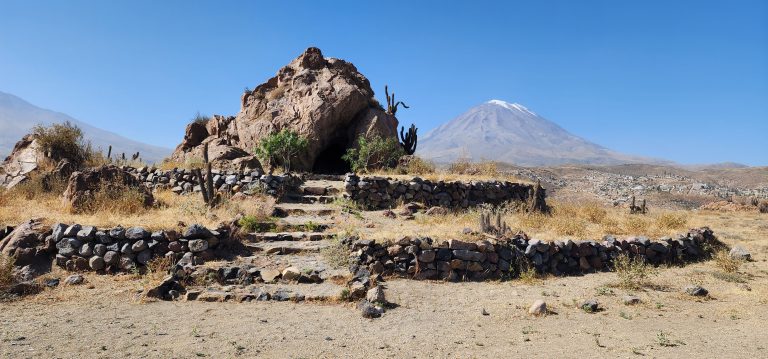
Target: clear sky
(680, 80)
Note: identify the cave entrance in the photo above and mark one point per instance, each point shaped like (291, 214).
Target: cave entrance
(329, 161)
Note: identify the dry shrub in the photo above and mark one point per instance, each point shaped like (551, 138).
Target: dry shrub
(62, 141)
(419, 166)
(667, 221)
(463, 166)
(39, 186)
(611, 226)
(188, 164)
(569, 226)
(724, 261)
(114, 198)
(594, 213)
(337, 254)
(159, 266)
(635, 225)
(6, 270)
(532, 221)
(633, 273)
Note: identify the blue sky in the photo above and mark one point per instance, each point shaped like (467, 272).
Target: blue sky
(681, 80)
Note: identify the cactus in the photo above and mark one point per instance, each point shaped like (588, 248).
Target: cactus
(109, 153)
(409, 141)
(206, 183)
(391, 104)
(499, 229)
(135, 156)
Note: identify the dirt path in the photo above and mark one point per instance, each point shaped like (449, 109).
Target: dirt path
(434, 320)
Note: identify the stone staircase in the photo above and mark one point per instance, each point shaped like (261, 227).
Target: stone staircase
(286, 256)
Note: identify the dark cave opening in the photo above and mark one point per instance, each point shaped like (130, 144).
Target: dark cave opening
(329, 161)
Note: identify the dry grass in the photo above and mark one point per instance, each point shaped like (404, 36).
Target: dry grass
(168, 210)
(725, 262)
(6, 270)
(632, 274)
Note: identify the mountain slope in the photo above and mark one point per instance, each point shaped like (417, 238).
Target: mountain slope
(507, 132)
(17, 117)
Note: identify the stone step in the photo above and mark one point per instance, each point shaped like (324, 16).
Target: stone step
(275, 292)
(294, 224)
(304, 198)
(288, 236)
(288, 247)
(292, 209)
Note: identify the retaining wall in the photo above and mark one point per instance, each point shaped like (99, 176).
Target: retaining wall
(184, 181)
(424, 258)
(383, 193)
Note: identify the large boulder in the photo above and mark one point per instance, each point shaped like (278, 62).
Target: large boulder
(84, 184)
(23, 159)
(27, 246)
(325, 100)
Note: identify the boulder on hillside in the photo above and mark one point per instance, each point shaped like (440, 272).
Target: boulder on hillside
(84, 184)
(23, 159)
(27, 245)
(323, 99)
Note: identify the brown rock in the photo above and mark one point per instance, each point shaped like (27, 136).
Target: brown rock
(82, 185)
(325, 100)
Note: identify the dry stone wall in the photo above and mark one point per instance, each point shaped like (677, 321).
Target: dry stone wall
(424, 258)
(124, 249)
(383, 193)
(182, 181)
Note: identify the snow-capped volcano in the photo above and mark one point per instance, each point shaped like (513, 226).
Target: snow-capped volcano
(509, 132)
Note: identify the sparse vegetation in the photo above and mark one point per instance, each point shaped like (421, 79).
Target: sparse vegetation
(417, 166)
(6, 270)
(60, 141)
(725, 261)
(200, 119)
(673, 221)
(337, 254)
(281, 148)
(633, 274)
(374, 153)
(112, 197)
(464, 166)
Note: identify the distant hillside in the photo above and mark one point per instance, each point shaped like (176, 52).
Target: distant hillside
(509, 132)
(17, 117)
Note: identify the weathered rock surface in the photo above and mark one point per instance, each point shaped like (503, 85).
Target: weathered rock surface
(28, 245)
(22, 160)
(82, 185)
(325, 100)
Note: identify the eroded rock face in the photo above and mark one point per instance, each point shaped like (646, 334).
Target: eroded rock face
(28, 245)
(22, 160)
(83, 184)
(325, 100)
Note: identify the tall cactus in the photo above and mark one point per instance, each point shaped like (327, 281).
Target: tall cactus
(409, 140)
(391, 104)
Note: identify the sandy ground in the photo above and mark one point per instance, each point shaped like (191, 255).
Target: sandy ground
(103, 319)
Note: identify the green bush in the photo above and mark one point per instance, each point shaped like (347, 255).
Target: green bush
(62, 141)
(280, 148)
(374, 153)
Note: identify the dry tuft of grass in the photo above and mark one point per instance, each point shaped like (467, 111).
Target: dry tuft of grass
(725, 262)
(117, 199)
(633, 274)
(675, 221)
(6, 270)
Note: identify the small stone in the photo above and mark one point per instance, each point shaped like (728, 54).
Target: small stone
(111, 257)
(96, 263)
(53, 282)
(99, 250)
(71, 231)
(197, 245)
(368, 310)
(86, 250)
(484, 312)
(87, 233)
(538, 308)
(631, 300)
(126, 263)
(740, 253)
(197, 231)
(117, 233)
(68, 246)
(291, 273)
(269, 275)
(590, 305)
(136, 233)
(74, 279)
(58, 231)
(696, 291)
(376, 295)
(139, 246)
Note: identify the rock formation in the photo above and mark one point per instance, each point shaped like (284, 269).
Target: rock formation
(82, 185)
(23, 159)
(325, 100)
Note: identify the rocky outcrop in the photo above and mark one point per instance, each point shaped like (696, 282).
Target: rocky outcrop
(84, 184)
(30, 247)
(23, 160)
(325, 100)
